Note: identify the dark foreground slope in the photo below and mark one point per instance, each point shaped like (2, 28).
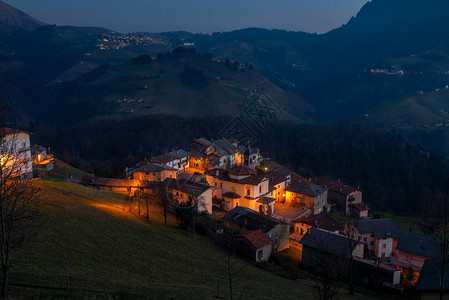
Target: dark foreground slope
(109, 253)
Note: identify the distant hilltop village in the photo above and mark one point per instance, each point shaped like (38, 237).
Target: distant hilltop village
(268, 208)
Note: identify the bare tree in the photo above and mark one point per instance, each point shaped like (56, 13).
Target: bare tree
(331, 269)
(20, 202)
(350, 232)
(234, 268)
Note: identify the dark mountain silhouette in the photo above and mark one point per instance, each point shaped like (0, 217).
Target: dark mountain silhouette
(12, 19)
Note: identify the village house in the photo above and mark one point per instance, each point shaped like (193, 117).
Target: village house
(154, 172)
(377, 234)
(40, 159)
(178, 160)
(244, 219)
(411, 250)
(429, 282)
(360, 210)
(343, 196)
(318, 241)
(251, 156)
(280, 179)
(242, 186)
(185, 191)
(321, 221)
(321, 249)
(15, 153)
(254, 245)
(308, 195)
(199, 150)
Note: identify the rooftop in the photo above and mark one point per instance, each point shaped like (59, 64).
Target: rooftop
(251, 219)
(328, 242)
(381, 228)
(152, 167)
(186, 186)
(307, 188)
(321, 221)
(257, 238)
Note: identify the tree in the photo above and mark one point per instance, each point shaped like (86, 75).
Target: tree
(331, 270)
(21, 212)
(350, 234)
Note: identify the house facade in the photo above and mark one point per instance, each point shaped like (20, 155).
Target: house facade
(154, 172)
(244, 219)
(343, 196)
(178, 160)
(307, 195)
(185, 191)
(15, 153)
(255, 245)
(242, 186)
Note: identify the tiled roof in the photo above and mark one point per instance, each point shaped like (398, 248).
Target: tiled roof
(430, 276)
(265, 200)
(227, 146)
(360, 206)
(186, 186)
(328, 242)
(242, 170)
(257, 238)
(151, 167)
(4, 131)
(306, 188)
(224, 176)
(231, 195)
(415, 243)
(339, 187)
(251, 219)
(321, 221)
(381, 228)
(203, 142)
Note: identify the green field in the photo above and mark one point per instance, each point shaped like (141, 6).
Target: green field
(110, 253)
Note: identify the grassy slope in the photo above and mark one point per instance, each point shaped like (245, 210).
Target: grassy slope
(114, 253)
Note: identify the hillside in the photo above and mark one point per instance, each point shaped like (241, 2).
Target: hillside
(110, 253)
(12, 19)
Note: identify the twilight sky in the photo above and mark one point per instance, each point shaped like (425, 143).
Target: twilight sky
(193, 15)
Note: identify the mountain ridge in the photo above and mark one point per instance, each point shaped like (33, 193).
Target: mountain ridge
(12, 19)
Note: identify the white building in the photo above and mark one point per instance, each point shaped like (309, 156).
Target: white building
(15, 153)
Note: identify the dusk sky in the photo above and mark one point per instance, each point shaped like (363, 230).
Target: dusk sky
(193, 15)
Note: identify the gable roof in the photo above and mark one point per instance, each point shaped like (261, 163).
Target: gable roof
(278, 176)
(328, 242)
(231, 195)
(251, 219)
(223, 175)
(340, 187)
(321, 221)
(168, 157)
(152, 167)
(186, 186)
(227, 146)
(415, 243)
(242, 170)
(430, 276)
(257, 238)
(381, 228)
(307, 188)
(203, 142)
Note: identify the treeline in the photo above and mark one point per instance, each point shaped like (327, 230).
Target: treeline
(396, 175)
